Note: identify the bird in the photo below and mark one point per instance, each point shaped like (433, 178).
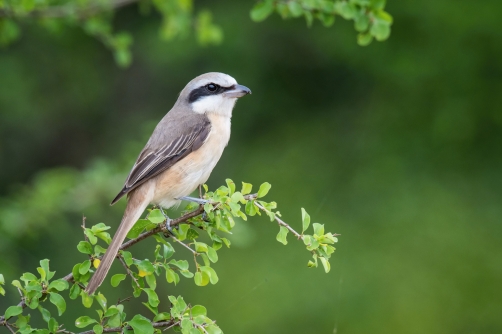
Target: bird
(179, 156)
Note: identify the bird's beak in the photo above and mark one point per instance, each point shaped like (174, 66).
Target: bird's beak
(237, 91)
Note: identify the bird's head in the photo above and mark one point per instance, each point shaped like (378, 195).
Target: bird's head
(213, 93)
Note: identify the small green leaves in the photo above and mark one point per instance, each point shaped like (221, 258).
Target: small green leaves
(305, 220)
(370, 19)
(59, 301)
(116, 279)
(84, 247)
(13, 311)
(246, 188)
(141, 325)
(281, 236)
(262, 10)
(264, 189)
(2, 282)
(84, 321)
(58, 285)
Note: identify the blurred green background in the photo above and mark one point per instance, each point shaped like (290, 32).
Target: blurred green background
(397, 146)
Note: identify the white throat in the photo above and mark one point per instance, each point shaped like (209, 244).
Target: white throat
(214, 104)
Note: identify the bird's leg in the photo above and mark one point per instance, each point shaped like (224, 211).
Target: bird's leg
(194, 199)
(168, 220)
(200, 191)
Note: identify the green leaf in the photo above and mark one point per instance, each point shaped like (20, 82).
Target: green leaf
(2, 291)
(262, 10)
(364, 39)
(59, 301)
(181, 233)
(74, 291)
(295, 8)
(151, 281)
(318, 229)
(200, 247)
(168, 250)
(45, 266)
(213, 277)
(325, 264)
(213, 329)
(231, 186)
(84, 247)
(116, 279)
(198, 310)
(90, 235)
(264, 189)
(156, 216)
(153, 299)
(2, 279)
(46, 315)
(13, 311)
(86, 299)
(251, 209)
(111, 311)
(246, 188)
(305, 220)
(139, 227)
(101, 301)
(84, 267)
(141, 325)
(59, 285)
(380, 30)
(84, 321)
(162, 316)
(146, 267)
(27, 277)
(53, 325)
(281, 236)
(182, 264)
(127, 257)
(202, 278)
(98, 329)
(212, 255)
(192, 234)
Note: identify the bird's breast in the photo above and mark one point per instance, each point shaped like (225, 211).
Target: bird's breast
(187, 174)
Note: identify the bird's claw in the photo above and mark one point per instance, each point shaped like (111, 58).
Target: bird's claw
(168, 221)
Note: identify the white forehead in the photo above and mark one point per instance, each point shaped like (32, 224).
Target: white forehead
(220, 79)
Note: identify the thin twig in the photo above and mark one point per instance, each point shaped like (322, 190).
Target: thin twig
(9, 328)
(281, 222)
(184, 245)
(162, 324)
(129, 272)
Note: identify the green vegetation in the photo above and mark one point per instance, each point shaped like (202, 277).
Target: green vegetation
(218, 215)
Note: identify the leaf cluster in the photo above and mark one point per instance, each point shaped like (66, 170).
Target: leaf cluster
(370, 18)
(200, 231)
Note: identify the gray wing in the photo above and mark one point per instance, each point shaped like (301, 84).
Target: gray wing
(153, 162)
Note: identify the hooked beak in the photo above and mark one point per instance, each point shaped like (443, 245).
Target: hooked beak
(237, 91)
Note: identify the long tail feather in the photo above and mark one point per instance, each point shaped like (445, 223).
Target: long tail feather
(135, 206)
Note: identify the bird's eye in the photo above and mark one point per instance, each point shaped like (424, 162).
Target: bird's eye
(212, 87)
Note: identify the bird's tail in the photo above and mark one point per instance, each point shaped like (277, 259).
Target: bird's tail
(135, 207)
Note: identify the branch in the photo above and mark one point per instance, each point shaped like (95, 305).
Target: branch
(160, 228)
(164, 324)
(281, 222)
(68, 10)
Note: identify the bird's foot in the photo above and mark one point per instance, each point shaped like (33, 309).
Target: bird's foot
(168, 220)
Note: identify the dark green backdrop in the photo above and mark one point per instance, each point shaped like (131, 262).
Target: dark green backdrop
(397, 146)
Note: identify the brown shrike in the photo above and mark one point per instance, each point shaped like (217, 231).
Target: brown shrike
(179, 156)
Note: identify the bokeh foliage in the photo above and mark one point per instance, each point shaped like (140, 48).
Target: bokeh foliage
(95, 17)
(397, 146)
